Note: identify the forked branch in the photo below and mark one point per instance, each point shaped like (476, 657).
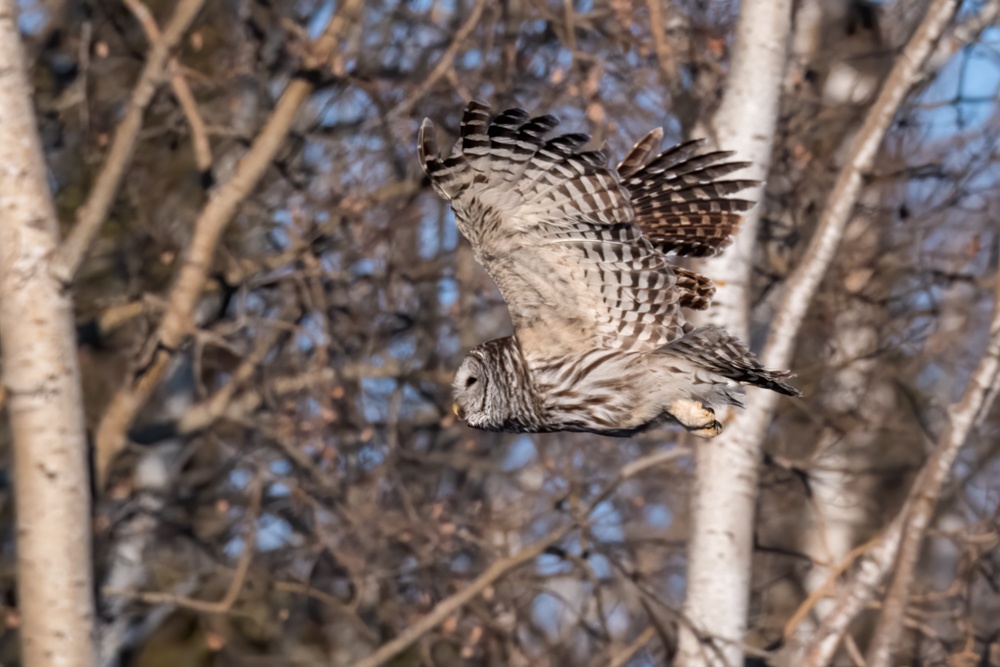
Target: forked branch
(199, 134)
(211, 222)
(923, 498)
(94, 211)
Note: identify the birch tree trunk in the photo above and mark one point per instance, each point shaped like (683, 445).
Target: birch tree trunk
(719, 553)
(41, 378)
(858, 402)
(720, 548)
(745, 123)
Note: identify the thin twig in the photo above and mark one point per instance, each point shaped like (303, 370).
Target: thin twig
(338, 607)
(239, 576)
(199, 135)
(92, 214)
(449, 605)
(664, 54)
(211, 222)
(569, 17)
(442, 66)
(202, 415)
(626, 654)
(826, 589)
(854, 651)
(961, 416)
(217, 405)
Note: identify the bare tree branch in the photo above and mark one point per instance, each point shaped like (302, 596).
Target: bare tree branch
(806, 278)
(961, 417)
(187, 289)
(851, 600)
(899, 542)
(91, 215)
(825, 590)
(448, 606)
(446, 60)
(199, 135)
(745, 433)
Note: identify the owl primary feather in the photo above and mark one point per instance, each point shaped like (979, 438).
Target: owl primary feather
(580, 253)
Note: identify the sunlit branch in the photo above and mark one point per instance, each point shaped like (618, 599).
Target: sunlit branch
(211, 222)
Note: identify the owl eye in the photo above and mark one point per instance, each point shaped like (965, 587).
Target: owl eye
(471, 381)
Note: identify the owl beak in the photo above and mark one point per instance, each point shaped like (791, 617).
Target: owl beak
(459, 412)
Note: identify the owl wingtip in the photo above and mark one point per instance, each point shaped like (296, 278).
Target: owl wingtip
(476, 105)
(426, 143)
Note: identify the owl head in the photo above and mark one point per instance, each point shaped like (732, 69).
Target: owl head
(492, 388)
(479, 399)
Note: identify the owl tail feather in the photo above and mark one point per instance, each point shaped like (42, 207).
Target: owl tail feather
(715, 350)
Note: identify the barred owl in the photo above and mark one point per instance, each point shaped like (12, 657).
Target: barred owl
(579, 252)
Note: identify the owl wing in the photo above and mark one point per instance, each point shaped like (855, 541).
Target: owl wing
(680, 198)
(555, 228)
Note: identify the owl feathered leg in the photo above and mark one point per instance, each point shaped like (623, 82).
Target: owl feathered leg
(695, 417)
(715, 350)
(718, 365)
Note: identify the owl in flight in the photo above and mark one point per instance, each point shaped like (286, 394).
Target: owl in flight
(579, 252)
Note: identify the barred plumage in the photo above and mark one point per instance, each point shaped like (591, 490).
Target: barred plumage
(578, 251)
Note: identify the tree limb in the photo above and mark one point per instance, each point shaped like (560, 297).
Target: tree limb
(211, 222)
(199, 135)
(92, 214)
(961, 417)
(449, 605)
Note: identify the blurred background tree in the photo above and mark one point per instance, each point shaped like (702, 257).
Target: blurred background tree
(279, 477)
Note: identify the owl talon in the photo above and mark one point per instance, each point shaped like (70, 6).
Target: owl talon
(710, 431)
(696, 418)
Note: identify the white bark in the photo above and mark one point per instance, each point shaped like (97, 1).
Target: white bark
(41, 377)
(720, 550)
(803, 283)
(745, 123)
